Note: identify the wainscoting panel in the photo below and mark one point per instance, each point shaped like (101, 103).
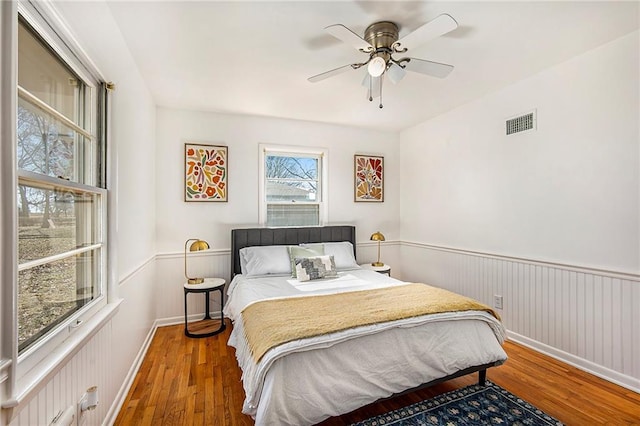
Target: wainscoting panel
(103, 361)
(586, 317)
(66, 388)
(169, 287)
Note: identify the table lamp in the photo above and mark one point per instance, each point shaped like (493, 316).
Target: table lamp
(197, 245)
(377, 237)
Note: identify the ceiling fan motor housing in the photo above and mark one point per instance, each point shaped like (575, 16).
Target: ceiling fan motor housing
(381, 34)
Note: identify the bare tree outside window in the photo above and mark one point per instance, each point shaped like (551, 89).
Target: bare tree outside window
(46, 226)
(43, 149)
(60, 221)
(292, 189)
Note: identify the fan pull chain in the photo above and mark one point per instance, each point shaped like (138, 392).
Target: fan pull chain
(381, 81)
(370, 89)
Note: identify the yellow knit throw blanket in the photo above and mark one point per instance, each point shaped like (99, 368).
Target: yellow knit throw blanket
(270, 323)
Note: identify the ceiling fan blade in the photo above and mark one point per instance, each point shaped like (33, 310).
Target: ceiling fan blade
(330, 73)
(395, 73)
(438, 26)
(433, 69)
(344, 34)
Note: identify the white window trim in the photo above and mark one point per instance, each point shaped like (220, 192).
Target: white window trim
(293, 149)
(27, 373)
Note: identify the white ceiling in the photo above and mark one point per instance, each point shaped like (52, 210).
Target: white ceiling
(255, 57)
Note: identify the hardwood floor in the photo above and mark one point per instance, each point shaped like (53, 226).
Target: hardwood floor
(184, 381)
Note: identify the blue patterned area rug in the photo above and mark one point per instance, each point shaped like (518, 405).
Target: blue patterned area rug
(473, 405)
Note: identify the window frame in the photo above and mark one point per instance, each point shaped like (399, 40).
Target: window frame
(88, 127)
(294, 151)
(25, 372)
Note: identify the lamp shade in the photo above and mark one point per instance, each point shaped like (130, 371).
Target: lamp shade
(196, 245)
(199, 245)
(377, 236)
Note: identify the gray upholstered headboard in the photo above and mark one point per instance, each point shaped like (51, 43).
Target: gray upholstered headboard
(241, 238)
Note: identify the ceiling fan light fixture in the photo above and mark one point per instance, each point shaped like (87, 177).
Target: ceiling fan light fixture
(381, 41)
(395, 73)
(376, 66)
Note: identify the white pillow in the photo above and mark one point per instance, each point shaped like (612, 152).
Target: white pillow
(265, 260)
(342, 253)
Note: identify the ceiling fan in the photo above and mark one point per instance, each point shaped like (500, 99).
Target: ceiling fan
(380, 42)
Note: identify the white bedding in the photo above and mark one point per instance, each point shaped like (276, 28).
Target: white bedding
(305, 381)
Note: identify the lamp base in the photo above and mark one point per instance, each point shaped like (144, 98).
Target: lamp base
(377, 264)
(195, 280)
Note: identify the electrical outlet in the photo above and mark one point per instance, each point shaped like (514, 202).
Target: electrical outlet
(497, 301)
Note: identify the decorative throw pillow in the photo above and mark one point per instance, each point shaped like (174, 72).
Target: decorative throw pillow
(314, 268)
(296, 252)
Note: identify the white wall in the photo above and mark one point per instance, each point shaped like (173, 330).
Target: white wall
(178, 220)
(107, 358)
(568, 192)
(566, 195)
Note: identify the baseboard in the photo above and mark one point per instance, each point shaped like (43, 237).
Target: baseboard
(612, 376)
(162, 322)
(113, 412)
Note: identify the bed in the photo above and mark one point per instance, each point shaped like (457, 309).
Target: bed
(304, 381)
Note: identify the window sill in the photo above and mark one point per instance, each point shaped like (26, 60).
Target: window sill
(37, 377)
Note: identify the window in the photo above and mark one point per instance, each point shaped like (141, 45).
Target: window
(293, 186)
(60, 192)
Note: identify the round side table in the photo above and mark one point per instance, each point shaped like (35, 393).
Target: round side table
(384, 269)
(203, 327)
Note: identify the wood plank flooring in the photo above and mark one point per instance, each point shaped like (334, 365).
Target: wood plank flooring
(184, 381)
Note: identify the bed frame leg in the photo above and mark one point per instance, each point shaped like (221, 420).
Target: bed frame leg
(482, 377)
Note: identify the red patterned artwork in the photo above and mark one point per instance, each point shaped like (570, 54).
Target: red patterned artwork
(205, 172)
(369, 178)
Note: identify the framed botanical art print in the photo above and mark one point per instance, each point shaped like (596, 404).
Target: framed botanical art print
(369, 178)
(205, 172)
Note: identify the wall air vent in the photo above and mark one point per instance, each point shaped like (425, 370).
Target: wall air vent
(521, 123)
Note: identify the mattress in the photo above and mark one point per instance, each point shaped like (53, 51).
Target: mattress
(308, 380)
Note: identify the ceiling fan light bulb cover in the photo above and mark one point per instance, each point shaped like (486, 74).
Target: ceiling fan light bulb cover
(376, 66)
(395, 73)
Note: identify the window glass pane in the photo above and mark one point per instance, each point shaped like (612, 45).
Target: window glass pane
(292, 189)
(60, 162)
(53, 222)
(42, 74)
(293, 214)
(299, 168)
(52, 218)
(47, 294)
(291, 178)
(285, 190)
(47, 146)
